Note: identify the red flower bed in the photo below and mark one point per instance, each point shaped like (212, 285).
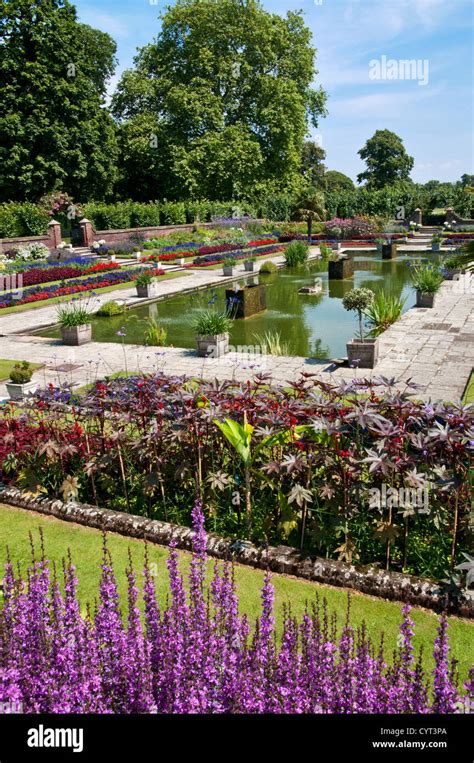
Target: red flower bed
(101, 267)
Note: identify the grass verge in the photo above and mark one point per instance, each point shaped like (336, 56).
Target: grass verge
(86, 548)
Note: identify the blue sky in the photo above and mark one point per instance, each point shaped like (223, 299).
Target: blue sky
(434, 120)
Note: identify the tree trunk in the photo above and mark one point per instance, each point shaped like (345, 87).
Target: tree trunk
(310, 228)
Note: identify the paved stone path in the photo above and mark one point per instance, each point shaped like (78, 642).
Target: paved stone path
(433, 347)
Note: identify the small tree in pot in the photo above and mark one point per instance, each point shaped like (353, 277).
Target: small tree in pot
(427, 279)
(362, 351)
(20, 384)
(74, 320)
(212, 333)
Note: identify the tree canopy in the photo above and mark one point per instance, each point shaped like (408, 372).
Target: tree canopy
(386, 159)
(337, 181)
(54, 129)
(220, 101)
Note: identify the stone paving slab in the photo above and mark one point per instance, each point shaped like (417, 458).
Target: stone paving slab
(440, 361)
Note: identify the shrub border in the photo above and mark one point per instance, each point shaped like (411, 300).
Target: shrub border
(280, 559)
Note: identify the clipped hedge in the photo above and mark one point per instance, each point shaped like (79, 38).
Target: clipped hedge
(22, 219)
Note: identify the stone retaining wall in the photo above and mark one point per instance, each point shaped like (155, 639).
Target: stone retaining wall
(280, 559)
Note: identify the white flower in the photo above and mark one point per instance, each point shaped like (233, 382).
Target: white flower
(102, 242)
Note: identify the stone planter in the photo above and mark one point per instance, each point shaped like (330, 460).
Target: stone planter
(379, 248)
(249, 267)
(389, 251)
(112, 258)
(182, 260)
(435, 247)
(452, 274)
(21, 391)
(340, 269)
(76, 335)
(423, 299)
(228, 270)
(366, 352)
(336, 247)
(212, 346)
(148, 291)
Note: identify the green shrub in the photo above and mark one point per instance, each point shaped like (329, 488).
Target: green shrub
(22, 219)
(211, 323)
(173, 213)
(325, 250)
(145, 215)
(110, 308)
(384, 310)
(426, 277)
(268, 267)
(296, 253)
(145, 278)
(277, 208)
(21, 373)
(155, 335)
(74, 313)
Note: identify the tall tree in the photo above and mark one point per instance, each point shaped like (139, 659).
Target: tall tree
(312, 164)
(228, 86)
(55, 131)
(337, 181)
(386, 159)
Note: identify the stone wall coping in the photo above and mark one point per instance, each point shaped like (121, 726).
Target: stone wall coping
(370, 580)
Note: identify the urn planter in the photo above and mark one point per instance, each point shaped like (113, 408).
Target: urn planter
(228, 270)
(21, 391)
(213, 346)
(364, 353)
(425, 299)
(435, 247)
(76, 335)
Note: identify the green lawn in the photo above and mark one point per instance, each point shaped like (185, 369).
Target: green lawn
(86, 544)
(55, 300)
(7, 365)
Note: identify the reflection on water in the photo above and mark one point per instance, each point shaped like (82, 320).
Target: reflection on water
(314, 325)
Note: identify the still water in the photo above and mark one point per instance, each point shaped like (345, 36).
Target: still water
(312, 325)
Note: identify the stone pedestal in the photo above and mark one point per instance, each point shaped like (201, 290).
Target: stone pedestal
(389, 251)
(247, 301)
(340, 269)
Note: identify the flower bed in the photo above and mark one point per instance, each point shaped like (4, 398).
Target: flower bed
(323, 237)
(193, 658)
(42, 292)
(216, 259)
(42, 275)
(314, 485)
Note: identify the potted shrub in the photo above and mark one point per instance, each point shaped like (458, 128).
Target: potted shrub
(212, 333)
(74, 320)
(379, 243)
(20, 385)
(361, 351)
(111, 255)
(454, 266)
(146, 284)
(427, 279)
(228, 266)
(436, 242)
(249, 264)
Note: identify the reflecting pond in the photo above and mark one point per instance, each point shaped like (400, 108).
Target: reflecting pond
(313, 325)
